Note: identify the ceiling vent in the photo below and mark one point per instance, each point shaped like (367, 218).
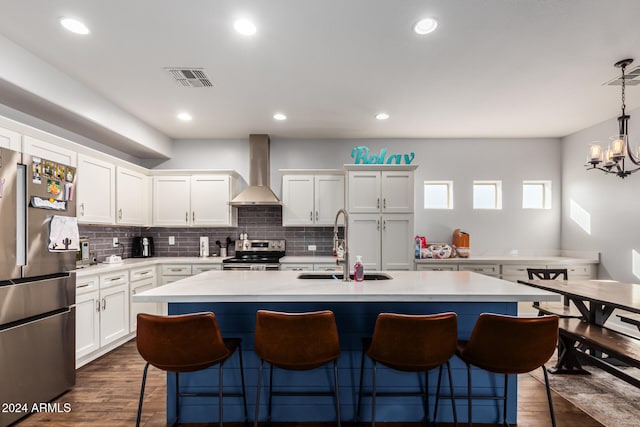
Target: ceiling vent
(631, 76)
(190, 77)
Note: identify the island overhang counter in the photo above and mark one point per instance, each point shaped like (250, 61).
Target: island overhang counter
(235, 296)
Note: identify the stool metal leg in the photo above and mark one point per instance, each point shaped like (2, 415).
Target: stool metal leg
(244, 392)
(453, 396)
(255, 417)
(469, 389)
(177, 398)
(435, 411)
(144, 381)
(220, 405)
(270, 394)
(427, 418)
(504, 407)
(373, 396)
(360, 388)
(335, 382)
(546, 383)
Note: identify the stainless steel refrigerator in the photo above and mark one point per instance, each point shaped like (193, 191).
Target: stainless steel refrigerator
(37, 285)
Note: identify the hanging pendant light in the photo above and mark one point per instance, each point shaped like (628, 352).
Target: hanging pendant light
(612, 160)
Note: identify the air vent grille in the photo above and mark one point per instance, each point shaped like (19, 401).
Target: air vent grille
(631, 76)
(189, 77)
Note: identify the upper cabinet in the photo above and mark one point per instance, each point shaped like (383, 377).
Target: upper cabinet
(375, 191)
(311, 199)
(49, 151)
(96, 190)
(133, 197)
(193, 201)
(9, 139)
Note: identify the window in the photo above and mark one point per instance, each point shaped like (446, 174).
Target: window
(438, 194)
(536, 195)
(487, 194)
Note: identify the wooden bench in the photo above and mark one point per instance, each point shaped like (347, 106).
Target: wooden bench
(579, 340)
(558, 308)
(630, 318)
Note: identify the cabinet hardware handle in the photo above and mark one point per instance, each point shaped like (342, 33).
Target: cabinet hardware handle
(97, 305)
(384, 224)
(378, 203)
(82, 207)
(316, 215)
(104, 303)
(176, 269)
(142, 273)
(119, 213)
(378, 224)
(310, 215)
(82, 286)
(384, 203)
(186, 217)
(113, 279)
(193, 216)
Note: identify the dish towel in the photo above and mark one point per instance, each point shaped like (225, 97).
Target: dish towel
(63, 234)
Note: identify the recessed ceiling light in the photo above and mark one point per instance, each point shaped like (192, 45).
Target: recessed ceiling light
(382, 116)
(279, 116)
(74, 25)
(185, 117)
(245, 27)
(425, 26)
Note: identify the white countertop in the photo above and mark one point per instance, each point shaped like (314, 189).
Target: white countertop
(143, 262)
(284, 286)
(513, 259)
(312, 259)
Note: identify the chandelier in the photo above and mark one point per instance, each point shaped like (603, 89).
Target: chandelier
(613, 159)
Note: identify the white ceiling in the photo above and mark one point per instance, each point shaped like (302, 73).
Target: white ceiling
(494, 68)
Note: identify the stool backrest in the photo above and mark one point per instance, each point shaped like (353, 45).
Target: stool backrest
(182, 343)
(296, 341)
(547, 273)
(414, 342)
(512, 345)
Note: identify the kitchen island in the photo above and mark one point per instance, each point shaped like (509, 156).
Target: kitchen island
(235, 296)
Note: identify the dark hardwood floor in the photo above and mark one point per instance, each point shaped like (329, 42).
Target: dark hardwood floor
(106, 394)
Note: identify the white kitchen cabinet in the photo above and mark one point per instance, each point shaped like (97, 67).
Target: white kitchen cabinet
(198, 200)
(387, 191)
(114, 307)
(492, 270)
(48, 150)
(515, 272)
(437, 267)
(383, 241)
(201, 268)
(96, 190)
(172, 272)
(141, 279)
(87, 316)
(311, 199)
(9, 139)
(132, 197)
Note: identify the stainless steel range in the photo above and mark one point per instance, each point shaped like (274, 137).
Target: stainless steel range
(256, 255)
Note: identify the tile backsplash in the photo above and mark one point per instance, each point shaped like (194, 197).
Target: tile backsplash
(259, 222)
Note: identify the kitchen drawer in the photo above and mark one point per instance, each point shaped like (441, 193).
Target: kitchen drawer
(437, 267)
(114, 279)
(296, 267)
(327, 267)
(176, 270)
(583, 271)
(488, 269)
(201, 268)
(140, 273)
(518, 270)
(87, 284)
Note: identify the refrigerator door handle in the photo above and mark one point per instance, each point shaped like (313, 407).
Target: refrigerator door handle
(21, 208)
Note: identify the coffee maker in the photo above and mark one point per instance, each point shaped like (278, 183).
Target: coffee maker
(142, 247)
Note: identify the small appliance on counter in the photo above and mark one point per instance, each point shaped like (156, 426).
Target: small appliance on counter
(460, 241)
(142, 247)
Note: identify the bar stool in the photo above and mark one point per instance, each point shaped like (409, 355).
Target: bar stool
(186, 343)
(510, 345)
(412, 343)
(299, 342)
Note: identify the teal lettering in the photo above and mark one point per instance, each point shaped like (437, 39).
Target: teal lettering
(408, 158)
(394, 157)
(360, 154)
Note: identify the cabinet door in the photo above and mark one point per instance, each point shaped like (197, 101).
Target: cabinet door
(141, 307)
(114, 313)
(96, 192)
(9, 139)
(171, 200)
(87, 323)
(131, 197)
(49, 151)
(364, 240)
(329, 198)
(364, 191)
(397, 192)
(298, 200)
(397, 242)
(210, 200)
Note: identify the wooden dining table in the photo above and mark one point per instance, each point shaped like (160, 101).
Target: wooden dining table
(595, 299)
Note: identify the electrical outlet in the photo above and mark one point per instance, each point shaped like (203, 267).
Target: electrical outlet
(312, 247)
(115, 242)
(172, 240)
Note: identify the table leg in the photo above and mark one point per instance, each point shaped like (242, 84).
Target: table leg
(568, 362)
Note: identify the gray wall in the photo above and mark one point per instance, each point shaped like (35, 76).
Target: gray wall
(612, 203)
(462, 161)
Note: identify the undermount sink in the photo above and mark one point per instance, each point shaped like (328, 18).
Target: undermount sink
(338, 276)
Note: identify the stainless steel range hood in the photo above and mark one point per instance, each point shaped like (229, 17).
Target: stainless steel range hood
(258, 192)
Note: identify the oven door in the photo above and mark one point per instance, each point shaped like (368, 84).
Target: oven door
(249, 266)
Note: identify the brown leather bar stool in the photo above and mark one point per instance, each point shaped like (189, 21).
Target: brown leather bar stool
(299, 342)
(186, 343)
(510, 345)
(412, 343)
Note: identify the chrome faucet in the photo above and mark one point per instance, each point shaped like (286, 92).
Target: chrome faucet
(345, 257)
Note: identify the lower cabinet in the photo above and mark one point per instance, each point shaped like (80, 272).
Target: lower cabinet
(87, 316)
(172, 272)
(140, 280)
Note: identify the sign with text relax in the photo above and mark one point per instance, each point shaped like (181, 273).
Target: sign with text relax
(362, 155)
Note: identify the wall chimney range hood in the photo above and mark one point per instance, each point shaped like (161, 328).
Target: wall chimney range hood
(258, 192)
